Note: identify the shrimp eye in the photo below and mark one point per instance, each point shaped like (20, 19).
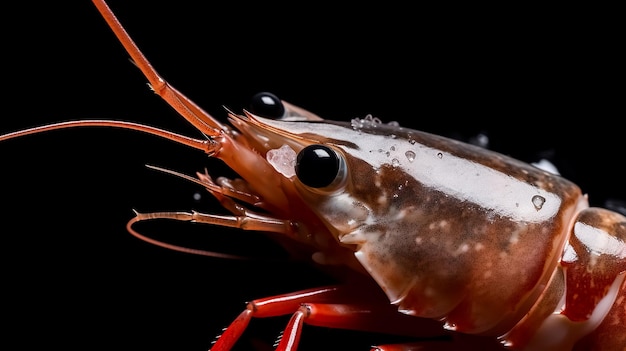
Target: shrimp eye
(267, 105)
(318, 166)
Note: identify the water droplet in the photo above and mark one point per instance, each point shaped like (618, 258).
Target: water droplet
(440, 155)
(538, 201)
(395, 162)
(357, 124)
(410, 155)
(481, 140)
(392, 148)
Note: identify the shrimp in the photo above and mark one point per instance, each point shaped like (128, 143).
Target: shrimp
(42, 176)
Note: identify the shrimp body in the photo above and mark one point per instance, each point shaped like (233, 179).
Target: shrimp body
(484, 243)
(430, 236)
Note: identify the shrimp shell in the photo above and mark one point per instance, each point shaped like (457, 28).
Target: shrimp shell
(67, 202)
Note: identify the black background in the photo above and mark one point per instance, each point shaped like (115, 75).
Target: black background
(73, 278)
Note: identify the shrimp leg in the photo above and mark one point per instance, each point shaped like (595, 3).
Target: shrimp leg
(332, 307)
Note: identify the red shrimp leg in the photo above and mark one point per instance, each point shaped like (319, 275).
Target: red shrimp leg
(364, 316)
(317, 307)
(270, 307)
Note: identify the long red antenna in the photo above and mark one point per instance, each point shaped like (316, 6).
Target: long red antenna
(195, 115)
(208, 146)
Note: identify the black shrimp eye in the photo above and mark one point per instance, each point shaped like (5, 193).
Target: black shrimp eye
(317, 166)
(267, 105)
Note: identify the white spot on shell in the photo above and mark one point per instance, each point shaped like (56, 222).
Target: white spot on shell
(449, 326)
(382, 199)
(464, 248)
(438, 225)
(569, 254)
(599, 241)
(283, 160)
